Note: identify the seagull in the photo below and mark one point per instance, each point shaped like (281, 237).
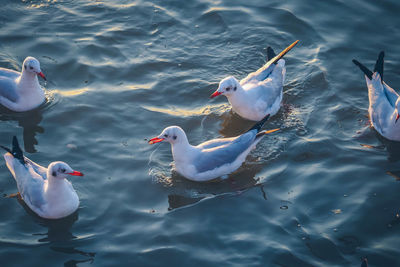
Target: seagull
(260, 93)
(213, 158)
(384, 102)
(47, 192)
(21, 91)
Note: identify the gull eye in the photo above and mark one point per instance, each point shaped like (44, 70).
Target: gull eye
(31, 67)
(174, 137)
(234, 88)
(165, 135)
(62, 170)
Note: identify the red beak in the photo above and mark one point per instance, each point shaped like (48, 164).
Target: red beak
(75, 173)
(155, 140)
(42, 75)
(216, 93)
(398, 116)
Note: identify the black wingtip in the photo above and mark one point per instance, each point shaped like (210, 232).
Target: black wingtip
(259, 124)
(16, 150)
(379, 64)
(364, 262)
(6, 149)
(364, 69)
(270, 53)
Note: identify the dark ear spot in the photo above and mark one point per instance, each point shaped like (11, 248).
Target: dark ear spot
(174, 137)
(25, 66)
(54, 173)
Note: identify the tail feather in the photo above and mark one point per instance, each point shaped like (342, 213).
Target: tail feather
(379, 64)
(259, 124)
(270, 53)
(16, 150)
(364, 69)
(281, 54)
(262, 133)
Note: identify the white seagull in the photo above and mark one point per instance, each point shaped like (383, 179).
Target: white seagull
(384, 102)
(260, 93)
(47, 192)
(213, 158)
(21, 91)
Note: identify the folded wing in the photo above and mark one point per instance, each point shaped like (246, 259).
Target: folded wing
(29, 182)
(225, 153)
(8, 89)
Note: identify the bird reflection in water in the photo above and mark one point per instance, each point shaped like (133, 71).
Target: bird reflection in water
(59, 234)
(233, 124)
(393, 150)
(392, 147)
(237, 183)
(29, 121)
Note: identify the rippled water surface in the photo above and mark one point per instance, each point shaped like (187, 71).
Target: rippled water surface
(317, 193)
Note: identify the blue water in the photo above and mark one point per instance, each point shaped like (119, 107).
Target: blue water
(315, 194)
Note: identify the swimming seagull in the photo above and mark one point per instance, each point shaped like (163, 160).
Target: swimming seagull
(213, 158)
(47, 192)
(384, 102)
(260, 93)
(21, 91)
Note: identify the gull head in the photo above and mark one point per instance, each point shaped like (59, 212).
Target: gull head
(171, 134)
(227, 87)
(32, 65)
(61, 170)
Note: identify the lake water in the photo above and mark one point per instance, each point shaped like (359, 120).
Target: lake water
(316, 193)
